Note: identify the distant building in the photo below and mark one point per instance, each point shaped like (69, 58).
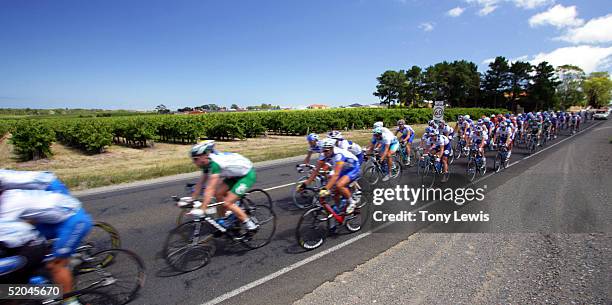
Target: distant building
(318, 106)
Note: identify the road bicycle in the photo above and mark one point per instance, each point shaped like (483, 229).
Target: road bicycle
(377, 170)
(402, 156)
(430, 167)
(255, 195)
(190, 245)
(304, 200)
(532, 143)
(501, 159)
(323, 219)
(460, 149)
(476, 164)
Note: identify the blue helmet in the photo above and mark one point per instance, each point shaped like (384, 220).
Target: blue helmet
(312, 137)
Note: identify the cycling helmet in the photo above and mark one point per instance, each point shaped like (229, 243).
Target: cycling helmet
(428, 129)
(202, 148)
(334, 134)
(312, 137)
(487, 120)
(377, 130)
(492, 115)
(328, 144)
(503, 124)
(467, 117)
(507, 115)
(460, 118)
(378, 124)
(508, 121)
(480, 121)
(401, 122)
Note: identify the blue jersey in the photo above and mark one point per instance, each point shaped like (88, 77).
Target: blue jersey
(405, 131)
(341, 155)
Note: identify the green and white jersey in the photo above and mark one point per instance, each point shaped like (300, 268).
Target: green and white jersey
(228, 165)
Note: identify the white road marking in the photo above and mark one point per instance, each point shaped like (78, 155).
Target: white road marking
(337, 247)
(280, 186)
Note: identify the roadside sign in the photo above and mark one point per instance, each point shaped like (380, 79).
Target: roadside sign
(438, 111)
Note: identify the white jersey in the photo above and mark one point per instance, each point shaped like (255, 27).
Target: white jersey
(232, 164)
(38, 206)
(446, 130)
(442, 141)
(504, 132)
(340, 155)
(27, 180)
(15, 233)
(388, 137)
(351, 146)
(483, 136)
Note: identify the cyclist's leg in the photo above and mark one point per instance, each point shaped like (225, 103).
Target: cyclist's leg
(69, 236)
(392, 149)
(220, 194)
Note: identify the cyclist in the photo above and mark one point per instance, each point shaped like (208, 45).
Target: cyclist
(534, 127)
(504, 136)
(466, 131)
(227, 176)
(446, 130)
(547, 126)
(22, 251)
(313, 146)
(351, 146)
(425, 142)
(388, 146)
(479, 139)
(441, 147)
(56, 216)
(345, 170)
(406, 138)
(555, 125)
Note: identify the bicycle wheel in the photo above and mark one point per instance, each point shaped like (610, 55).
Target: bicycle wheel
(371, 174)
(101, 237)
(471, 170)
(532, 147)
(184, 251)
(497, 164)
(121, 279)
(396, 171)
(312, 228)
(264, 216)
(354, 221)
(307, 197)
(96, 298)
(428, 177)
(260, 196)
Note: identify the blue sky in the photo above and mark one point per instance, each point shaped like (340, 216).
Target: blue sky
(137, 54)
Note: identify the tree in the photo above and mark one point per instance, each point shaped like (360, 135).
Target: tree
(496, 80)
(162, 109)
(234, 106)
(185, 109)
(414, 90)
(436, 81)
(598, 89)
(569, 90)
(463, 83)
(519, 76)
(391, 87)
(542, 92)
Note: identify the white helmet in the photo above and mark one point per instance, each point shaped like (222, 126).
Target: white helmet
(467, 117)
(328, 143)
(334, 134)
(202, 148)
(378, 124)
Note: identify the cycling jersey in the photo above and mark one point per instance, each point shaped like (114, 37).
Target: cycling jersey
(407, 129)
(351, 146)
(31, 180)
(479, 137)
(443, 142)
(316, 148)
(15, 233)
(534, 126)
(38, 206)
(467, 127)
(505, 132)
(447, 131)
(350, 163)
(228, 165)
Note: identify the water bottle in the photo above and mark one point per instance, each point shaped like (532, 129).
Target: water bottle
(222, 222)
(439, 166)
(229, 220)
(342, 205)
(38, 280)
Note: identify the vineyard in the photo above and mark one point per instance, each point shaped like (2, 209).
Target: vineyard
(32, 138)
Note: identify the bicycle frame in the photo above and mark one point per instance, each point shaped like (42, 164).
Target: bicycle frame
(324, 204)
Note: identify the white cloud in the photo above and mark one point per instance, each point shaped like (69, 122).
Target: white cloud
(589, 58)
(597, 30)
(531, 4)
(487, 6)
(488, 61)
(456, 12)
(487, 9)
(520, 58)
(558, 16)
(427, 26)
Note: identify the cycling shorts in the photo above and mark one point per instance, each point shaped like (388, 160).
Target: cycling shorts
(392, 148)
(58, 187)
(351, 172)
(360, 157)
(240, 185)
(68, 233)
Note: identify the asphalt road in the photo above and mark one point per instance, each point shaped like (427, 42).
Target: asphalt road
(283, 272)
